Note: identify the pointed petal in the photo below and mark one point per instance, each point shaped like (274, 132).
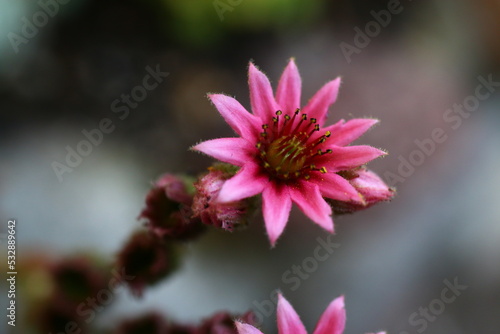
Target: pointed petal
(276, 206)
(236, 151)
(246, 328)
(318, 105)
(334, 186)
(350, 131)
(249, 181)
(289, 87)
(288, 320)
(241, 121)
(344, 158)
(332, 321)
(308, 198)
(261, 94)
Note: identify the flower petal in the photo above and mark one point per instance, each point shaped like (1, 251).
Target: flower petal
(350, 131)
(289, 87)
(241, 121)
(288, 320)
(246, 328)
(317, 107)
(344, 158)
(332, 321)
(308, 198)
(236, 151)
(261, 94)
(276, 206)
(334, 186)
(249, 181)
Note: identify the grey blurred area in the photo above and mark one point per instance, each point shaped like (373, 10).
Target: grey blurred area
(392, 262)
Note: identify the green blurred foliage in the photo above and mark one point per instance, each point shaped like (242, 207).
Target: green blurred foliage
(202, 22)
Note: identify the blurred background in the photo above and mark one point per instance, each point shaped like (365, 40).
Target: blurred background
(63, 66)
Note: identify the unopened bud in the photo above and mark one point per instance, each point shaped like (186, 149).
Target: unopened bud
(168, 209)
(205, 205)
(223, 323)
(369, 185)
(145, 259)
(77, 278)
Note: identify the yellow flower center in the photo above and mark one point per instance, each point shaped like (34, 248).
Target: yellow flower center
(286, 150)
(286, 155)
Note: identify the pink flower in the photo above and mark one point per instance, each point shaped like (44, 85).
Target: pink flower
(332, 321)
(285, 153)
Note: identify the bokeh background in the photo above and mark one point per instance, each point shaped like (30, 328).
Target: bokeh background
(392, 259)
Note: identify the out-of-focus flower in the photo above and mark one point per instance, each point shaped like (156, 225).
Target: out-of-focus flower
(168, 211)
(369, 185)
(223, 215)
(223, 323)
(152, 323)
(332, 321)
(145, 259)
(285, 153)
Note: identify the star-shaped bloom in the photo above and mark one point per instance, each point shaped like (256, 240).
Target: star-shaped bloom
(285, 153)
(332, 321)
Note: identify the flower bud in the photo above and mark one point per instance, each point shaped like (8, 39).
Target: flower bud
(205, 205)
(223, 323)
(145, 259)
(369, 185)
(168, 209)
(76, 279)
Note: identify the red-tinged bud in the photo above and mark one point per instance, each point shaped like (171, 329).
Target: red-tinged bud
(168, 209)
(152, 323)
(205, 206)
(369, 185)
(75, 279)
(145, 259)
(54, 317)
(223, 323)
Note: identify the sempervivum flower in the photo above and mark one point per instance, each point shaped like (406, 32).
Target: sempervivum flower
(332, 321)
(285, 153)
